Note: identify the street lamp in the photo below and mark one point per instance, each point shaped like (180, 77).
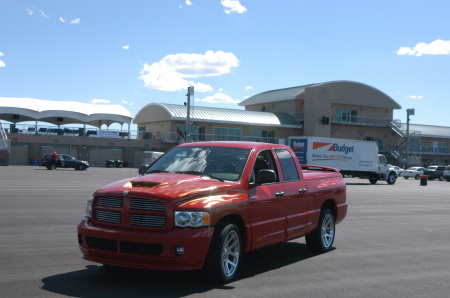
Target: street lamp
(409, 112)
(188, 116)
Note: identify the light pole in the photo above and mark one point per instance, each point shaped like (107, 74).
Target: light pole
(188, 116)
(409, 112)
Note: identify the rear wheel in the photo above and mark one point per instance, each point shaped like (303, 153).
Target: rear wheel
(417, 177)
(373, 180)
(225, 254)
(323, 237)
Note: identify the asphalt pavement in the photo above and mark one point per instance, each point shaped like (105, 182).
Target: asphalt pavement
(394, 242)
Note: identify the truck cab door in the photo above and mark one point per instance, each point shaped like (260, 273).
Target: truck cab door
(267, 205)
(295, 195)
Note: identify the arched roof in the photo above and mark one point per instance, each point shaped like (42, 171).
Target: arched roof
(17, 110)
(155, 112)
(344, 92)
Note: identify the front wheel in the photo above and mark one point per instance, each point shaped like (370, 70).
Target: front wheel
(225, 254)
(417, 177)
(81, 167)
(323, 237)
(391, 178)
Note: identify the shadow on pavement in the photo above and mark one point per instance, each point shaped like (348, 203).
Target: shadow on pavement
(104, 281)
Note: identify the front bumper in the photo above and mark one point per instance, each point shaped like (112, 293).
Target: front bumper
(144, 249)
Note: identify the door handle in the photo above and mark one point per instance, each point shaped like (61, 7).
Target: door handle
(279, 194)
(302, 190)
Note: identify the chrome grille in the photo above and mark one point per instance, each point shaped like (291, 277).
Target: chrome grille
(147, 220)
(108, 216)
(142, 204)
(115, 202)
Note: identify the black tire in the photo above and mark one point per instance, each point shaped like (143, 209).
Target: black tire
(81, 167)
(441, 178)
(373, 180)
(417, 177)
(224, 254)
(406, 178)
(49, 168)
(109, 165)
(391, 178)
(323, 237)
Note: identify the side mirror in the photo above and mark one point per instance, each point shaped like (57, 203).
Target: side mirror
(266, 176)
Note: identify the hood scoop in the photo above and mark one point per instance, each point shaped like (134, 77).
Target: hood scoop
(144, 184)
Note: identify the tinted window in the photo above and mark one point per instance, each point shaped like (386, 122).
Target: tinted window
(287, 163)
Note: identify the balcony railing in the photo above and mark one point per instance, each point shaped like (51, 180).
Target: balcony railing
(360, 120)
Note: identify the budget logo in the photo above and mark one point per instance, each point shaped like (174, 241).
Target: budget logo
(334, 147)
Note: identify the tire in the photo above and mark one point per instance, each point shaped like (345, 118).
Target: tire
(81, 167)
(110, 165)
(391, 179)
(323, 237)
(224, 254)
(441, 178)
(373, 180)
(417, 177)
(49, 168)
(406, 177)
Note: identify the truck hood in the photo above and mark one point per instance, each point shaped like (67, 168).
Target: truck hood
(169, 186)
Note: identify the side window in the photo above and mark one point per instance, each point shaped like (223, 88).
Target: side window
(264, 160)
(290, 172)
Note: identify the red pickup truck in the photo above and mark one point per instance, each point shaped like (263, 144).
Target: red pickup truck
(202, 205)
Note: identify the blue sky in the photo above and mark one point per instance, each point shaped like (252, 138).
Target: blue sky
(137, 52)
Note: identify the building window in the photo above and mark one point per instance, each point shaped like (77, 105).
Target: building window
(227, 134)
(343, 115)
(197, 133)
(258, 135)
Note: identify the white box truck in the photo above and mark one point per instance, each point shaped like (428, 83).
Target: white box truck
(351, 157)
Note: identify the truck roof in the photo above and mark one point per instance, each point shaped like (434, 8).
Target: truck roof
(236, 144)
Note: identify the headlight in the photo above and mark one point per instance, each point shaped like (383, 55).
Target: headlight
(89, 209)
(191, 219)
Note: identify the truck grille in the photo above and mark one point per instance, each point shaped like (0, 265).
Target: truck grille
(147, 220)
(119, 211)
(108, 216)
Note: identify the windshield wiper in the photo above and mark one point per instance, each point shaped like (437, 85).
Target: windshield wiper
(200, 174)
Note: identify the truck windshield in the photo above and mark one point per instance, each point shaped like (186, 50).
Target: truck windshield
(221, 163)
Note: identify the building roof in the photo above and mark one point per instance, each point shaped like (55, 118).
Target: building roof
(428, 131)
(343, 92)
(156, 112)
(17, 110)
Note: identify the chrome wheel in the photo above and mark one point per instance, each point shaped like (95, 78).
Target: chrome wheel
(230, 253)
(327, 230)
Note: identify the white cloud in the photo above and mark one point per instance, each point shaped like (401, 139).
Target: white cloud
(2, 64)
(415, 96)
(171, 72)
(62, 20)
(30, 11)
(248, 88)
(233, 6)
(188, 2)
(437, 47)
(96, 100)
(43, 14)
(127, 102)
(127, 47)
(220, 90)
(75, 21)
(218, 98)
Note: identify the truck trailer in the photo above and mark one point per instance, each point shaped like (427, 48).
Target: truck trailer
(352, 157)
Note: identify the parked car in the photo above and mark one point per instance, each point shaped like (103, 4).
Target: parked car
(435, 172)
(446, 174)
(398, 170)
(412, 172)
(64, 161)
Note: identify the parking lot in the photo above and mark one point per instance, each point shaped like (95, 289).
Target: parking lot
(394, 243)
